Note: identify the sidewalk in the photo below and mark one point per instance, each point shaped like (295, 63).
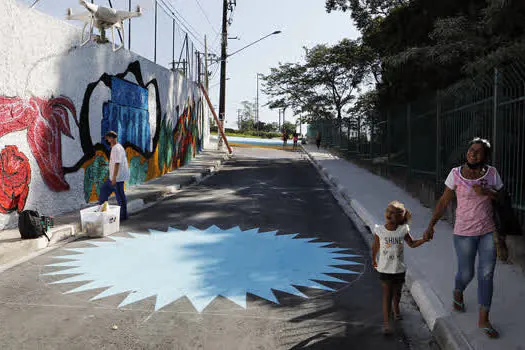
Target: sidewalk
(431, 267)
(13, 250)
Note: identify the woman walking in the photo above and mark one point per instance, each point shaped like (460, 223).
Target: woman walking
(318, 139)
(475, 185)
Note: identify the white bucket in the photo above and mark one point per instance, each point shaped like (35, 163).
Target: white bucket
(100, 224)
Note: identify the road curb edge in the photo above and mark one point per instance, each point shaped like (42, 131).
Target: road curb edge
(439, 321)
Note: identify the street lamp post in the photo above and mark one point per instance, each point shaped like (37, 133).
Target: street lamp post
(224, 57)
(257, 105)
(255, 42)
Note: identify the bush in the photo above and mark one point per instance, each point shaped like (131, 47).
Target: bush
(261, 134)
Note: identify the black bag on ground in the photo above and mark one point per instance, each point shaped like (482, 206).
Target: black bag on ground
(507, 223)
(30, 225)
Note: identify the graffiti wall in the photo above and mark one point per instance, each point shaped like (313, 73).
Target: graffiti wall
(57, 100)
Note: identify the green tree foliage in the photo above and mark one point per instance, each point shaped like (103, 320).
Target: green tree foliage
(323, 85)
(420, 46)
(246, 121)
(290, 128)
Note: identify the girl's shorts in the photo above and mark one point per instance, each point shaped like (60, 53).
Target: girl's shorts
(392, 277)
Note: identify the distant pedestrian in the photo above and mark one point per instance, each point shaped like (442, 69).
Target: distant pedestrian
(389, 242)
(295, 140)
(118, 175)
(318, 139)
(285, 138)
(476, 186)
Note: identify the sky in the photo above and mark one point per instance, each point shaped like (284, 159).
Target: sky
(302, 22)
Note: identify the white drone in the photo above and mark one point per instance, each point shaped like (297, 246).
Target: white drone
(102, 18)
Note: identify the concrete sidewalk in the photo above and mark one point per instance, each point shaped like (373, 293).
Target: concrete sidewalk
(431, 267)
(13, 250)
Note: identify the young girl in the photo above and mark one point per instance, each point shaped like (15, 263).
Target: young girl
(388, 242)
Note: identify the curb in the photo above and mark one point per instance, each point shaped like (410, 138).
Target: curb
(438, 319)
(67, 233)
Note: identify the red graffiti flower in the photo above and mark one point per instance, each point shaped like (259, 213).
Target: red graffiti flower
(46, 121)
(15, 174)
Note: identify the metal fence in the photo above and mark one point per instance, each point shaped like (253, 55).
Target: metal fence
(161, 34)
(417, 144)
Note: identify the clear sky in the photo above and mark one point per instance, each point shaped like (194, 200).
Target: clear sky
(303, 23)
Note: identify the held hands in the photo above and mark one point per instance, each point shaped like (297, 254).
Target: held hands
(113, 182)
(429, 234)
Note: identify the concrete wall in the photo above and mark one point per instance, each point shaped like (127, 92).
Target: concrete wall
(56, 102)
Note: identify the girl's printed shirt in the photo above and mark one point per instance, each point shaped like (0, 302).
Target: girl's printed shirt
(474, 214)
(391, 245)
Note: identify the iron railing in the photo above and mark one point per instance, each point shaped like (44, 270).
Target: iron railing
(418, 143)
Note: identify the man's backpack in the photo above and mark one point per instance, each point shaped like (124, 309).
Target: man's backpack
(30, 225)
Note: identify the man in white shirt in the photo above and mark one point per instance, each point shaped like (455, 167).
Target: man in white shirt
(118, 174)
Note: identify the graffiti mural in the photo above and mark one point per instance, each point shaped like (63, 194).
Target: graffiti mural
(157, 140)
(152, 152)
(127, 114)
(166, 146)
(96, 173)
(185, 136)
(138, 171)
(45, 121)
(15, 175)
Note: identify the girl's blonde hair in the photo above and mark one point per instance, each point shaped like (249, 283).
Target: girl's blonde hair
(407, 215)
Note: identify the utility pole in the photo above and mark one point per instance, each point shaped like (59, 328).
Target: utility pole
(224, 56)
(129, 28)
(156, 17)
(206, 77)
(239, 118)
(257, 113)
(279, 119)
(199, 73)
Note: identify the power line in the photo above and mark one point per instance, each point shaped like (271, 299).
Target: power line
(206, 16)
(172, 7)
(169, 11)
(185, 24)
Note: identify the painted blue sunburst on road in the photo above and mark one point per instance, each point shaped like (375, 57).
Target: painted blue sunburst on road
(203, 264)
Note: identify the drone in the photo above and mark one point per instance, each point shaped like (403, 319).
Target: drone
(102, 18)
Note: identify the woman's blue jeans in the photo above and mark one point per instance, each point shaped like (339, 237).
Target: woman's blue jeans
(466, 249)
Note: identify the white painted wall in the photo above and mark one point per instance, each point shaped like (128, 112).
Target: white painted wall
(40, 57)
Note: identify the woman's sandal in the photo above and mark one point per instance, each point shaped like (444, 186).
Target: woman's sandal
(459, 306)
(387, 330)
(398, 317)
(490, 332)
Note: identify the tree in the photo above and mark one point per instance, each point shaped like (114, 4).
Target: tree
(290, 128)
(323, 85)
(477, 38)
(272, 127)
(247, 116)
(365, 112)
(420, 46)
(365, 13)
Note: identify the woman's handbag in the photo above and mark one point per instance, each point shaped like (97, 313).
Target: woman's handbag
(507, 223)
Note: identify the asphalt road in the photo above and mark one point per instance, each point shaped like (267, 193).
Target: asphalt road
(214, 289)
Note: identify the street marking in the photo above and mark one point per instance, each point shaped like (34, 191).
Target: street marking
(203, 264)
